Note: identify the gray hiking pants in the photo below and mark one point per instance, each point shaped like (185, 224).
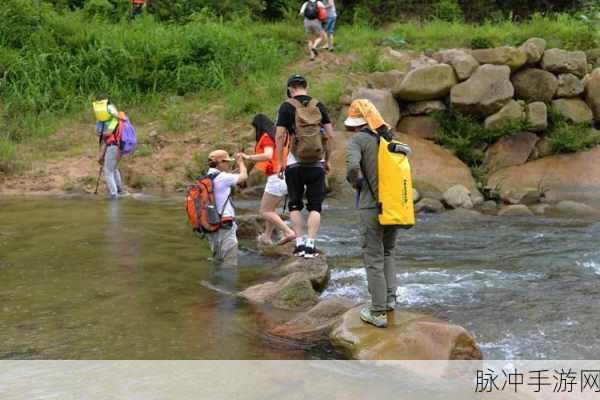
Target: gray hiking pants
(111, 173)
(224, 245)
(378, 252)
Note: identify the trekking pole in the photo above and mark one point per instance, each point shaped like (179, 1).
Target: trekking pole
(98, 180)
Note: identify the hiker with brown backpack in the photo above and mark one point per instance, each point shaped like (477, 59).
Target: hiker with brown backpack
(303, 123)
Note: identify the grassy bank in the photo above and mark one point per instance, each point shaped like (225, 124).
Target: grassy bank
(52, 63)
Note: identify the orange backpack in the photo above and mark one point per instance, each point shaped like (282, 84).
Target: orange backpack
(201, 205)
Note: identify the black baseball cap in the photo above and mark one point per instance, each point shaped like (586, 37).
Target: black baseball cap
(298, 80)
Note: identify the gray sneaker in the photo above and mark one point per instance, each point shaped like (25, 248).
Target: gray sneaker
(378, 320)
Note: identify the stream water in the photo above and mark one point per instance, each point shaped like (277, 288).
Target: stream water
(95, 279)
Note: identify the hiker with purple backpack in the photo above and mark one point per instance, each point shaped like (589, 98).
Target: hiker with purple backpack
(117, 137)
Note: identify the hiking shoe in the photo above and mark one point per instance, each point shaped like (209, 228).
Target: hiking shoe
(331, 49)
(310, 252)
(299, 251)
(378, 320)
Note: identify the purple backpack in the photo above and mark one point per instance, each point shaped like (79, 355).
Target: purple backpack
(128, 139)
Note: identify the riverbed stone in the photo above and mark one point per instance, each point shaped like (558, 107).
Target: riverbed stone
(425, 107)
(512, 57)
(537, 116)
(488, 206)
(510, 150)
(523, 195)
(534, 84)
(458, 196)
(543, 148)
(534, 49)
(275, 250)
(316, 323)
(569, 86)
(416, 195)
(433, 165)
(248, 225)
(563, 61)
(316, 269)
(293, 292)
(516, 210)
(422, 126)
(409, 336)
(463, 63)
(429, 206)
(484, 93)
(427, 83)
(540, 209)
(383, 100)
(513, 111)
(574, 110)
(426, 189)
(592, 92)
(574, 208)
(559, 177)
(386, 80)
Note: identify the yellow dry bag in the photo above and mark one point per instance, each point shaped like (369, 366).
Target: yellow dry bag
(101, 110)
(395, 185)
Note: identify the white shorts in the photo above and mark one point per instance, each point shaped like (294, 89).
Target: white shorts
(276, 186)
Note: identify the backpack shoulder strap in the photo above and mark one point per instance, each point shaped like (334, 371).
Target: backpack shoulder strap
(294, 102)
(313, 102)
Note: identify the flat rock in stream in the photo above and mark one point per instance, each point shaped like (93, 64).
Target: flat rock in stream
(293, 292)
(409, 336)
(316, 269)
(316, 323)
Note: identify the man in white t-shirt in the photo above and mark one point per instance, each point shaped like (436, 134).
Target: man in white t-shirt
(223, 243)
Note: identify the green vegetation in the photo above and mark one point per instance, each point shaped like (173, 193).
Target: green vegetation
(467, 138)
(566, 137)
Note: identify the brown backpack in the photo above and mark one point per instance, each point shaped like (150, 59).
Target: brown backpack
(307, 143)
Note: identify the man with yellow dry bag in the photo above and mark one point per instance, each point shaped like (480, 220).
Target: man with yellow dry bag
(378, 168)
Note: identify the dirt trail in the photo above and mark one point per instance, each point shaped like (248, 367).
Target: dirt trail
(161, 163)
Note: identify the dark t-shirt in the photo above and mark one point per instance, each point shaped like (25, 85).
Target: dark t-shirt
(286, 117)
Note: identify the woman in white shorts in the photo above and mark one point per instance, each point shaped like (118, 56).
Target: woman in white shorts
(275, 189)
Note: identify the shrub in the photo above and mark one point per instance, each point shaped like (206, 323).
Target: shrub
(98, 8)
(467, 137)
(569, 138)
(448, 10)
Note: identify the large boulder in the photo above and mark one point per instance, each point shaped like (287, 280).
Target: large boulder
(399, 59)
(463, 63)
(386, 80)
(434, 166)
(561, 177)
(517, 210)
(510, 56)
(316, 269)
(425, 107)
(576, 209)
(569, 86)
(537, 116)
(511, 150)
(427, 83)
(593, 57)
(383, 100)
(513, 111)
(409, 336)
(592, 92)
(534, 49)
(562, 61)
(573, 110)
(293, 292)
(533, 84)
(316, 323)
(458, 196)
(429, 205)
(485, 92)
(422, 126)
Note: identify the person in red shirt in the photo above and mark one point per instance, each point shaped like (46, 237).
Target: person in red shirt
(136, 8)
(275, 189)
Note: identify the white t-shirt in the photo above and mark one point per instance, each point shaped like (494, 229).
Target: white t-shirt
(223, 184)
(319, 4)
